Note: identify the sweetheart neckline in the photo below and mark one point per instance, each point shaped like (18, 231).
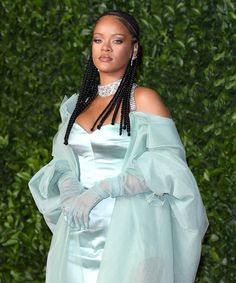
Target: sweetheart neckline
(91, 133)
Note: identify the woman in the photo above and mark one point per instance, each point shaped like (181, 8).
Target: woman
(118, 195)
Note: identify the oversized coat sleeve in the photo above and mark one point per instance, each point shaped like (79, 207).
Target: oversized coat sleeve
(43, 185)
(162, 230)
(162, 164)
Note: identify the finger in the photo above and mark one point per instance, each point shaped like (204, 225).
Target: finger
(77, 221)
(79, 218)
(82, 221)
(86, 219)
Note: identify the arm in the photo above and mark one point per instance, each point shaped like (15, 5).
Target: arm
(44, 189)
(159, 167)
(130, 183)
(44, 184)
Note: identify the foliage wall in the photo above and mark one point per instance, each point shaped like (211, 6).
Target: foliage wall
(189, 58)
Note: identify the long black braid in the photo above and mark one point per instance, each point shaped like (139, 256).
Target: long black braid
(88, 89)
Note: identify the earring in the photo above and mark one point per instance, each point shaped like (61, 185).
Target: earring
(132, 60)
(134, 56)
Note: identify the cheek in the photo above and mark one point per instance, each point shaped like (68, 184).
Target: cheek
(124, 54)
(94, 54)
(93, 51)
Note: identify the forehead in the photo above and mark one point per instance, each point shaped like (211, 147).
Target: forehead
(110, 24)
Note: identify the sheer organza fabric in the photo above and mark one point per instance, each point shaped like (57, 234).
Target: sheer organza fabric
(154, 236)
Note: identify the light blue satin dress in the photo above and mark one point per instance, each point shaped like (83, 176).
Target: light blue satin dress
(147, 238)
(100, 154)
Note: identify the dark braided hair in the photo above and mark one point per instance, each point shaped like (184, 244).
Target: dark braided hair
(89, 87)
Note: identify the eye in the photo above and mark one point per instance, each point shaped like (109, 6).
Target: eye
(97, 40)
(119, 41)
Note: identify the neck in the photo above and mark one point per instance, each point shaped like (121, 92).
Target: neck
(107, 79)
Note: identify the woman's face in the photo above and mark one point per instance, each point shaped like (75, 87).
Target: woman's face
(112, 46)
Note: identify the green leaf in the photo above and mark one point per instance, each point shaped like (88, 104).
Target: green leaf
(10, 242)
(208, 128)
(219, 56)
(232, 15)
(146, 24)
(230, 85)
(158, 19)
(180, 44)
(170, 9)
(219, 82)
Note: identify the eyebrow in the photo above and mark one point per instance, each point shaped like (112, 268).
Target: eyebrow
(98, 33)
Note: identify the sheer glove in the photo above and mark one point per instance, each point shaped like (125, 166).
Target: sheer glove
(69, 188)
(121, 185)
(81, 206)
(76, 201)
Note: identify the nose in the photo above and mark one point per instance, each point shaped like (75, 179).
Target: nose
(106, 46)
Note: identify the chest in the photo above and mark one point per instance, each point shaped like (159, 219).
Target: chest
(88, 117)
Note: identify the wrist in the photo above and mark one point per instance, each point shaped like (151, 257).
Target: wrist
(99, 191)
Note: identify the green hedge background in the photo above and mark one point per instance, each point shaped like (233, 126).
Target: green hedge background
(189, 58)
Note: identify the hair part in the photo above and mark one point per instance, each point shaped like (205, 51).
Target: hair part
(89, 86)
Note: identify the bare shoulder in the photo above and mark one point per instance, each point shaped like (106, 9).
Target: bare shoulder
(148, 100)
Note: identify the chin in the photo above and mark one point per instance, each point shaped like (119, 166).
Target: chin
(109, 69)
(106, 70)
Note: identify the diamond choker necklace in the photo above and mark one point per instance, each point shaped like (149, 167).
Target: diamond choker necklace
(109, 89)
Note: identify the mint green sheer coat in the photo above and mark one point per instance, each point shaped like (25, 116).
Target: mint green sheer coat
(153, 237)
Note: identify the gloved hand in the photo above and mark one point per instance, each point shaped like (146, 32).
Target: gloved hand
(121, 185)
(70, 188)
(76, 201)
(80, 207)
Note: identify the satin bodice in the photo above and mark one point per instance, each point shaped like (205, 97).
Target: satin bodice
(100, 153)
